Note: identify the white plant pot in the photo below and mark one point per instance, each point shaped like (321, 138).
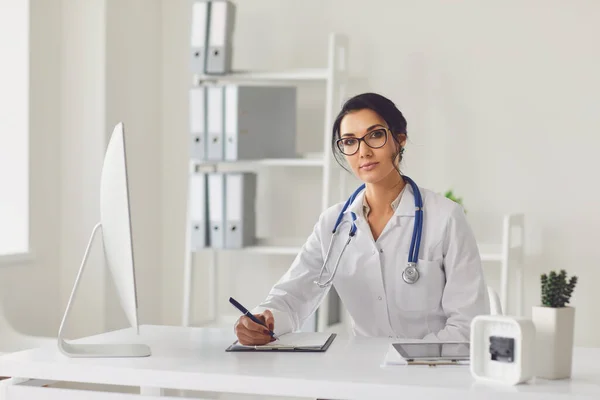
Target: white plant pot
(554, 341)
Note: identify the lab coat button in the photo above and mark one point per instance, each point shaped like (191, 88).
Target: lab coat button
(379, 298)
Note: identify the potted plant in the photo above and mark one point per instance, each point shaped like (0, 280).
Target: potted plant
(450, 195)
(554, 323)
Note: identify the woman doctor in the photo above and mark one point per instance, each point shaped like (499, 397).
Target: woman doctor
(436, 299)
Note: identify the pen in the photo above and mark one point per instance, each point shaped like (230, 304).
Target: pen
(249, 315)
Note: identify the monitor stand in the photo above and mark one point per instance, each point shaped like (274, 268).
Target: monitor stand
(95, 350)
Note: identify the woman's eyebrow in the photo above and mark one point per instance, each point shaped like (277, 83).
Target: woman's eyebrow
(368, 130)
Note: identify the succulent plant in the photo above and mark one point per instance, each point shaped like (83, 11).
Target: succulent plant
(556, 291)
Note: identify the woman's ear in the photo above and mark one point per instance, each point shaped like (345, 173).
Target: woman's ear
(402, 139)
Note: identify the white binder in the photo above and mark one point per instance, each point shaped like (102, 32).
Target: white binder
(260, 122)
(197, 113)
(220, 34)
(214, 117)
(199, 35)
(240, 195)
(216, 210)
(198, 212)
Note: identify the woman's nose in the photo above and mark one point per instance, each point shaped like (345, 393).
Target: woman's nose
(364, 150)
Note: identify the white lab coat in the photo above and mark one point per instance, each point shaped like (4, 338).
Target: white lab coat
(439, 306)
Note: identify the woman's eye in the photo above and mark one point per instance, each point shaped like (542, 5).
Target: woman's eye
(378, 134)
(349, 142)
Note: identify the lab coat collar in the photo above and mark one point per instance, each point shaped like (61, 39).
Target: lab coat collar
(406, 208)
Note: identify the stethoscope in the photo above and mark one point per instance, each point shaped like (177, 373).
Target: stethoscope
(411, 273)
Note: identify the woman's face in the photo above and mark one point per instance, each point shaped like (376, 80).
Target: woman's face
(370, 165)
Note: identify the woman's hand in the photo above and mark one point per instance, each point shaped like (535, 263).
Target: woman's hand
(249, 333)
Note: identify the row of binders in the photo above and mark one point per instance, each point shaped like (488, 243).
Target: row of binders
(222, 210)
(211, 36)
(230, 122)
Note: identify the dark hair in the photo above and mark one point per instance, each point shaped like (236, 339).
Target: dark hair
(384, 107)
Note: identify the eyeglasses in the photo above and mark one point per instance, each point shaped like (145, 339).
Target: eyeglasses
(374, 139)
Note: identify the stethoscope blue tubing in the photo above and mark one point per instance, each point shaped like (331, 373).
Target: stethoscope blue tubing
(415, 242)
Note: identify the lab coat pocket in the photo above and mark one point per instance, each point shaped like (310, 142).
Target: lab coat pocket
(426, 293)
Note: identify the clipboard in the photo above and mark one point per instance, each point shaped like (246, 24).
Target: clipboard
(285, 348)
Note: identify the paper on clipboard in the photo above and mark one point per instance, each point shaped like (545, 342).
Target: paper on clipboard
(296, 341)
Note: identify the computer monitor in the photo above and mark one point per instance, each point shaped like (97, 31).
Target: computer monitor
(115, 224)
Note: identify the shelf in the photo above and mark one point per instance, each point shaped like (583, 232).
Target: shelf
(490, 252)
(279, 250)
(309, 161)
(309, 74)
(293, 162)
(285, 246)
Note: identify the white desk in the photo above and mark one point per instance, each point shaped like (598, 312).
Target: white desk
(195, 359)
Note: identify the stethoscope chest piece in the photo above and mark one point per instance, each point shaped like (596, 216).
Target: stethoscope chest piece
(410, 273)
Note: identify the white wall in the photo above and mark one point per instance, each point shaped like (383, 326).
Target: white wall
(499, 98)
(92, 64)
(133, 65)
(110, 74)
(83, 140)
(14, 126)
(29, 291)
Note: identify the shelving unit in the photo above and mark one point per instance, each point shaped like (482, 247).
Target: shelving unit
(334, 77)
(510, 254)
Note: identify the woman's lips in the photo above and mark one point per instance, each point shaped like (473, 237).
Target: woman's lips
(369, 166)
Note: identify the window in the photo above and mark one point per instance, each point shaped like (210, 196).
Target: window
(14, 127)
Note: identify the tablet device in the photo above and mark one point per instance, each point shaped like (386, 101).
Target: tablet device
(455, 351)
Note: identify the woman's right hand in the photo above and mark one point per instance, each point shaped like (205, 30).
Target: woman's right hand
(249, 333)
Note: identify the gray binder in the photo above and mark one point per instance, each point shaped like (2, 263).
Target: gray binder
(240, 200)
(214, 122)
(260, 122)
(220, 35)
(198, 212)
(199, 35)
(197, 113)
(216, 210)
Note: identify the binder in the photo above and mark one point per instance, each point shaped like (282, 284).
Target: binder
(215, 122)
(199, 35)
(240, 200)
(216, 210)
(197, 113)
(260, 122)
(198, 212)
(292, 342)
(220, 35)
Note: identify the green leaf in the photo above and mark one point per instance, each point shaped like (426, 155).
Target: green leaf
(556, 291)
